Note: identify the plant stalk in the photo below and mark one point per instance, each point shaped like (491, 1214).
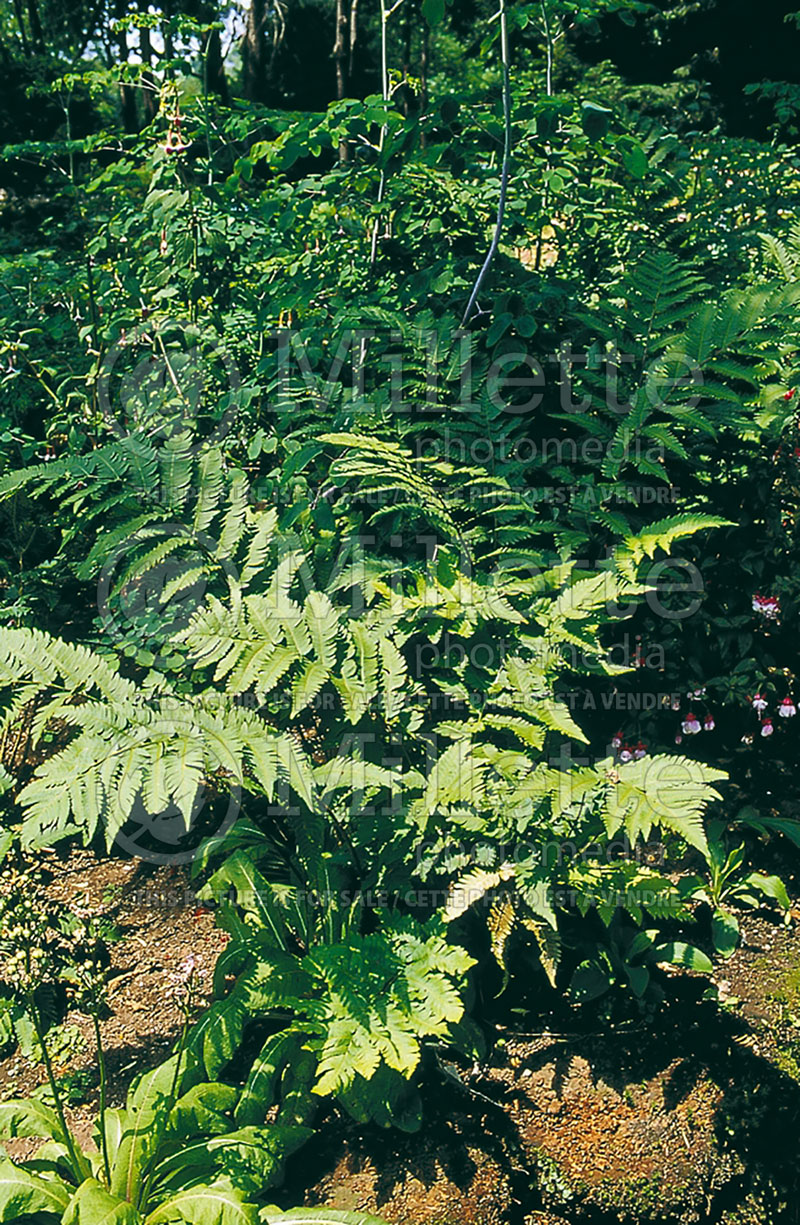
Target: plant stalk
(501, 204)
(33, 1009)
(101, 1063)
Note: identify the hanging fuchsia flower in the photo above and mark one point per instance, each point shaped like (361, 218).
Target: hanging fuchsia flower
(766, 728)
(678, 738)
(626, 754)
(616, 740)
(691, 724)
(676, 703)
(708, 723)
(787, 709)
(640, 751)
(759, 702)
(768, 605)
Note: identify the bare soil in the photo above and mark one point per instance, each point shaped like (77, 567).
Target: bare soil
(692, 1116)
(160, 923)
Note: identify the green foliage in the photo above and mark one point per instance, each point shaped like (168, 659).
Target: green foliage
(728, 885)
(354, 565)
(631, 958)
(177, 1155)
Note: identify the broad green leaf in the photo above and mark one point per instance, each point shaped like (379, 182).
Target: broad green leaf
(725, 932)
(23, 1194)
(216, 1204)
(92, 1204)
(28, 1117)
(588, 983)
(677, 953)
(147, 1108)
(433, 11)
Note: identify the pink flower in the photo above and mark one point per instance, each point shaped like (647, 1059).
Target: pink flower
(691, 724)
(626, 754)
(640, 751)
(616, 740)
(768, 605)
(708, 723)
(787, 709)
(766, 728)
(759, 702)
(678, 738)
(186, 969)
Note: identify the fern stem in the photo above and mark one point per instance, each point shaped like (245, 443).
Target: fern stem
(501, 204)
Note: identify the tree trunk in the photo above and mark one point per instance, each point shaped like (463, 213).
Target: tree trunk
(254, 52)
(353, 36)
(423, 81)
(215, 69)
(127, 94)
(21, 23)
(406, 64)
(339, 54)
(150, 92)
(37, 35)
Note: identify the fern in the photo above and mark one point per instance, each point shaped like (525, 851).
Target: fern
(361, 1005)
(691, 365)
(125, 745)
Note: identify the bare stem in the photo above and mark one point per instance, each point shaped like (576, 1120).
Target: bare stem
(101, 1063)
(79, 1166)
(548, 49)
(501, 204)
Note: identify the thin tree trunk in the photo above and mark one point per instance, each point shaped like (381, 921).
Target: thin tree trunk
(353, 36)
(127, 94)
(254, 60)
(21, 23)
(501, 203)
(406, 64)
(423, 81)
(37, 36)
(339, 53)
(149, 93)
(215, 69)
